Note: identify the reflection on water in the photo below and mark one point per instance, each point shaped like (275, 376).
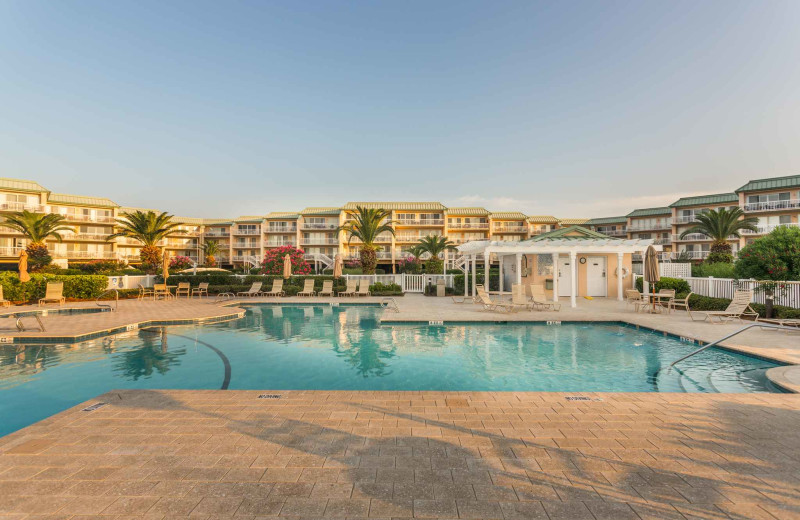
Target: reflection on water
(346, 348)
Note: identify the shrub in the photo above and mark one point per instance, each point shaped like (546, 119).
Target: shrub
(679, 285)
(409, 265)
(80, 287)
(430, 290)
(389, 289)
(434, 265)
(494, 281)
(273, 261)
(775, 256)
(38, 257)
(100, 266)
(715, 269)
(705, 303)
(180, 263)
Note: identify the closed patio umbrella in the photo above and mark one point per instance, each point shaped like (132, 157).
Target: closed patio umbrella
(287, 266)
(23, 267)
(651, 272)
(165, 267)
(337, 266)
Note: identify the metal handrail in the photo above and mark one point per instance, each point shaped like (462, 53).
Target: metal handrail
(746, 327)
(116, 299)
(390, 303)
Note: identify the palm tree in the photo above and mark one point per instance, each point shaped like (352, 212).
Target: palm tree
(435, 245)
(148, 227)
(718, 225)
(366, 225)
(37, 227)
(211, 249)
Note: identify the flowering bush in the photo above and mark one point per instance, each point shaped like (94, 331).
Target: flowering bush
(273, 261)
(409, 265)
(353, 263)
(180, 262)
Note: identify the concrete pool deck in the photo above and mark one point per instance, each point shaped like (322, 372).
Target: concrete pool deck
(769, 344)
(490, 455)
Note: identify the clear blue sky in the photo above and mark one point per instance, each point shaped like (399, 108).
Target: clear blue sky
(568, 108)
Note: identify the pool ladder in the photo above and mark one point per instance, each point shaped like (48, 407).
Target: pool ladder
(746, 327)
(390, 303)
(105, 305)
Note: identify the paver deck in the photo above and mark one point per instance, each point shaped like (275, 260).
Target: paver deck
(214, 454)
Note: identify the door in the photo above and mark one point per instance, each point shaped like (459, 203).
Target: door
(564, 276)
(596, 284)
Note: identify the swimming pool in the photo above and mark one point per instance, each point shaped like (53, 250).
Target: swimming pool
(319, 347)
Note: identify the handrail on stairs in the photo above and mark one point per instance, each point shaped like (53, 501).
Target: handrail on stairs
(746, 327)
(116, 299)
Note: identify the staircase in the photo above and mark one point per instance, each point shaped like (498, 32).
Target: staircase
(321, 261)
(460, 262)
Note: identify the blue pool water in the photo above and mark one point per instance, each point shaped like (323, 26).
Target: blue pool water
(345, 348)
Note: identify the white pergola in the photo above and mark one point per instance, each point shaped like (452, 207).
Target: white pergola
(554, 247)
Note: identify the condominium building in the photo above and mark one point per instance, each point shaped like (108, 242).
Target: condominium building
(244, 240)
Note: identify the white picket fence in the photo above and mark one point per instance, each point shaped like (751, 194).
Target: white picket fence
(130, 281)
(788, 295)
(671, 269)
(410, 283)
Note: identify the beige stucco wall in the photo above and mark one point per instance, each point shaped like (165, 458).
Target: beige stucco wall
(611, 279)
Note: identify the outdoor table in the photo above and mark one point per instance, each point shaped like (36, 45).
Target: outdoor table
(656, 299)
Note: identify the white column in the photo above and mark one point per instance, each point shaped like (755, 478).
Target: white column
(645, 285)
(573, 266)
(486, 257)
(555, 276)
(619, 276)
(500, 261)
(474, 276)
(519, 268)
(466, 278)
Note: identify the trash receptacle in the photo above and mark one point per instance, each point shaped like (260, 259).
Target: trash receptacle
(440, 289)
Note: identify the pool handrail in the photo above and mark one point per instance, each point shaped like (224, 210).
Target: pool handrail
(729, 336)
(116, 299)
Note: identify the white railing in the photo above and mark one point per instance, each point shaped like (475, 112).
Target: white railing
(383, 238)
(775, 205)
(20, 206)
(686, 219)
(10, 251)
(88, 218)
(130, 281)
(662, 241)
(765, 230)
(469, 225)
(420, 222)
(614, 232)
(94, 255)
(413, 283)
(319, 241)
(278, 243)
(246, 232)
(311, 225)
(650, 227)
(279, 229)
(85, 236)
(213, 234)
(510, 229)
(788, 295)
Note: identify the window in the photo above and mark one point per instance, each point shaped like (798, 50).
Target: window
(544, 265)
(769, 197)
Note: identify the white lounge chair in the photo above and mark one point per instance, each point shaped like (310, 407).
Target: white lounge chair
(3, 301)
(539, 299)
(350, 290)
(308, 288)
(254, 290)
(363, 288)
(739, 306)
(327, 288)
(53, 293)
(490, 305)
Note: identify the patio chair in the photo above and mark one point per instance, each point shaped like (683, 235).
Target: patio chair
(664, 296)
(679, 303)
(3, 301)
(308, 288)
(539, 299)
(184, 288)
(350, 290)
(54, 293)
(490, 305)
(363, 288)
(637, 299)
(254, 290)
(277, 288)
(327, 288)
(144, 292)
(161, 289)
(200, 290)
(739, 306)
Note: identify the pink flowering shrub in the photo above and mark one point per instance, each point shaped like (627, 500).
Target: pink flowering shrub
(273, 261)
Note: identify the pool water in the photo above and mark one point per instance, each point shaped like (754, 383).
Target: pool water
(346, 348)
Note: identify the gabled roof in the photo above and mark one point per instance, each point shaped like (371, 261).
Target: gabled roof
(508, 215)
(249, 218)
(573, 221)
(20, 185)
(328, 210)
(410, 206)
(468, 211)
(542, 219)
(568, 233)
(772, 183)
(78, 200)
(650, 212)
(606, 220)
(282, 215)
(705, 200)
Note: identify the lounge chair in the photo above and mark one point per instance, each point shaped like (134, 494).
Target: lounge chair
(54, 293)
(327, 288)
(308, 288)
(3, 301)
(254, 290)
(200, 290)
(350, 290)
(539, 299)
(161, 289)
(363, 288)
(184, 289)
(679, 303)
(144, 292)
(739, 306)
(468, 299)
(490, 305)
(277, 288)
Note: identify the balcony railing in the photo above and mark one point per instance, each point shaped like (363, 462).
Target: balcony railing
(319, 241)
(685, 219)
(662, 241)
(312, 225)
(764, 230)
(279, 243)
(697, 237)
(775, 205)
(94, 255)
(19, 206)
(246, 232)
(614, 232)
(650, 227)
(380, 239)
(219, 234)
(410, 238)
(89, 218)
(246, 245)
(281, 229)
(10, 251)
(469, 225)
(85, 236)
(510, 229)
(420, 222)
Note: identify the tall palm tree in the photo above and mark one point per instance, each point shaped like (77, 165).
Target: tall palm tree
(211, 249)
(435, 245)
(148, 227)
(37, 227)
(366, 225)
(718, 225)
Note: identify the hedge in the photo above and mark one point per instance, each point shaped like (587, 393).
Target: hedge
(706, 303)
(80, 287)
(679, 285)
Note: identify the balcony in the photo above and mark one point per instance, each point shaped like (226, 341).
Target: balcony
(697, 237)
(324, 241)
(469, 225)
(246, 232)
(217, 234)
(510, 229)
(380, 255)
(420, 222)
(91, 255)
(614, 232)
(651, 227)
(246, 245)
(410, 238)
(89, 218)
(662, 256)
(86, 236)
(662, 241)
(10, 251)
(19, 206)
(279, 243)
(380, 239)
(314, 226)
(281, 229)
(685, 219)
(776, 205)
(765, 230)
